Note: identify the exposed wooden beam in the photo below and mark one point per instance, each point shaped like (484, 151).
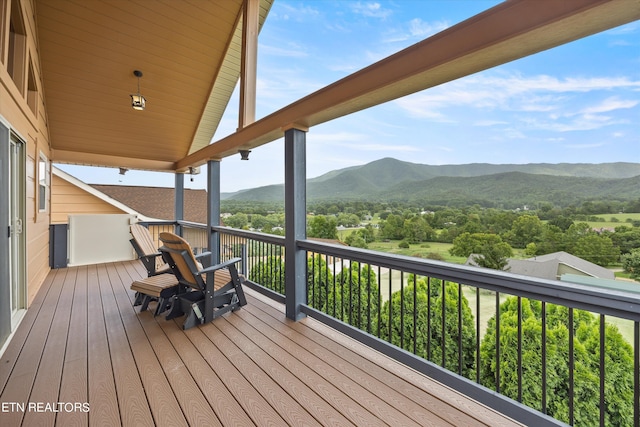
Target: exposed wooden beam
(91, 159)
(511, 30)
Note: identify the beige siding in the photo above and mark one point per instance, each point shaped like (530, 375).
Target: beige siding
(28, 120)
(68, 199)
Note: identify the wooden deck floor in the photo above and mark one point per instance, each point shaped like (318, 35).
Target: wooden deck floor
(84, 356)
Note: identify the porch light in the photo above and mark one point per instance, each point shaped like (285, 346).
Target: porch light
(137, 100)
(123, 170)
(244, 154)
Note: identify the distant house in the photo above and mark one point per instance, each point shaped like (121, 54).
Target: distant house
(553, 266)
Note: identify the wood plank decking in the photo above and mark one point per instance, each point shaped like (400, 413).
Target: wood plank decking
(84, 356)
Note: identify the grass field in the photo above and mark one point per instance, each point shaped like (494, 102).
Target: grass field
(614, 220)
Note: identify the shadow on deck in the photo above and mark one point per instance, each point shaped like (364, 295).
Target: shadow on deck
(84, 356)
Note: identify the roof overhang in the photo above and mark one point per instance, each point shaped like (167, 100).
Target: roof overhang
(189, 54)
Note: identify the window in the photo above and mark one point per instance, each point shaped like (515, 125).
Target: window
(4, 4)
(17, 46)
(32, 90)
(43, 183)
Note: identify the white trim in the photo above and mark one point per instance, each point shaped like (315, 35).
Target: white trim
(99, 194)
(16, 320)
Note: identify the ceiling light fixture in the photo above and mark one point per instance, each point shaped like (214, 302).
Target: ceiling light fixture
(244, 154)
(137, 100)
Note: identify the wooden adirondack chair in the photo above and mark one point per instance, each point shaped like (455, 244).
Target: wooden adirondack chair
(209, 292)
(158, 286)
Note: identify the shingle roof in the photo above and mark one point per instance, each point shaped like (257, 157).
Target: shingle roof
(158, 202)
(549, 266)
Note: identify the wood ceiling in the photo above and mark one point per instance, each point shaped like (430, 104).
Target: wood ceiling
(189, 53)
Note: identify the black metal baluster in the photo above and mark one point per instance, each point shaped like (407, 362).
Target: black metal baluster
(602, 369)
(478, 335)
(543, 360)
(571, 369)
(498, 342)
(459, 329)
(519, 349)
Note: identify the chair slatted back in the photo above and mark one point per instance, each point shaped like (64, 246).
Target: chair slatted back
(180, 251)
(144, 240)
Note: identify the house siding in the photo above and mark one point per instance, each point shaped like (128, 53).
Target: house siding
(68, 199)
(22, 108)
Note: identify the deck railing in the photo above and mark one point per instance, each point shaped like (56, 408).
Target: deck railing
(567, 350)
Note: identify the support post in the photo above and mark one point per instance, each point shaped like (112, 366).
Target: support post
(248, 62)
(295, 201)
(178, 210)
(213, 208)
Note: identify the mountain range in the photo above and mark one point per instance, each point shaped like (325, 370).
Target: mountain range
(507, 185)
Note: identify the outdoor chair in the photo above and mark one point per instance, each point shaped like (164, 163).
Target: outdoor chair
(161, 284)
(205, 293)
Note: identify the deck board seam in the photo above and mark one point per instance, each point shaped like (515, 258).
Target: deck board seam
(350, 382)
(124, 307)
(231, 322)
(320, 335)
(211, 330)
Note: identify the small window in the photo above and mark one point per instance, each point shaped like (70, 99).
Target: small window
(17, 46)
(4, 4)
(32, 90)
(43, 183)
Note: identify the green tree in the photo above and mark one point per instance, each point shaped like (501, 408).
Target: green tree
(586, 341)
(562, 222)
(495, 256)
(323, 227)
(626, 238)
(525, 229)
(631, 263)
(239, 220)
(596, 249)
(354, 239)
(319, 282)
(356, 298)
(413, 321)
(392, 228)
(416, 229)
(269, 273)
(492, 251)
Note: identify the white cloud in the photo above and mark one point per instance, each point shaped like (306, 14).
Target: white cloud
(486, 123)
(535, 96)
(371, 10)
(421, 29)
(291, 51)
(610, 104)
(285, 12)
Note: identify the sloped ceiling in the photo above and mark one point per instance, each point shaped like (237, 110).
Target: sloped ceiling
(188, 52)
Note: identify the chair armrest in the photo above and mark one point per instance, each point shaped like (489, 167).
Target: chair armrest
(203, 254)
(151, 256)
(204, 258)
(222, 265)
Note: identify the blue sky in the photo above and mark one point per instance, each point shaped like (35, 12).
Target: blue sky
(578, 103)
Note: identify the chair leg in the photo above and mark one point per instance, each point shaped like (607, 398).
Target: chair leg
(145, 302)
(163, 305)
(139, 298)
